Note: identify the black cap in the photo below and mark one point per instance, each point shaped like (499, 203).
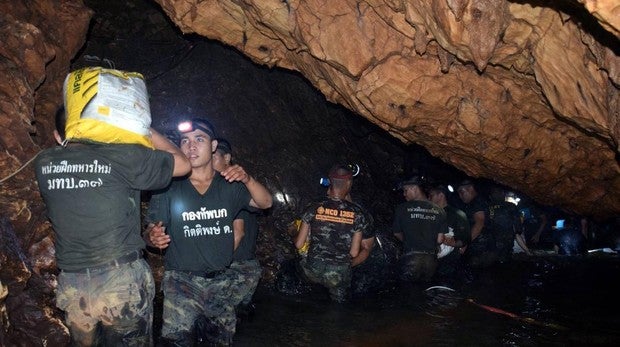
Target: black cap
(466, 182)
(340, 172)
(189, 125)
(441, 189)
(412, 181)
(224, 146)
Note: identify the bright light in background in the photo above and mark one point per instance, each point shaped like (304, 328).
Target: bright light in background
(511, 197)
(283, 198)
(450, 188)
(513, 200)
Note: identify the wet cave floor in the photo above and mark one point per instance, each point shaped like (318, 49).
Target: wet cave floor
(542, 300)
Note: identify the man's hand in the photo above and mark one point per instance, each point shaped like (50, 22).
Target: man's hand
(449, 240)
(155, 236)
(236, 173)
(463, 249)
(261, 197)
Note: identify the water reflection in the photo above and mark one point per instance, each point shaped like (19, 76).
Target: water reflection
(551, 301)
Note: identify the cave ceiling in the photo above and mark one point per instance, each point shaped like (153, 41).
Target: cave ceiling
(522, 92)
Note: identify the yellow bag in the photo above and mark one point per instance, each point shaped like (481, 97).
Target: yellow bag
(106, 105)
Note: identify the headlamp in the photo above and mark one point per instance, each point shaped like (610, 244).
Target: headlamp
(355, 169)
(191, 125)
(185, 127)
(341, 172)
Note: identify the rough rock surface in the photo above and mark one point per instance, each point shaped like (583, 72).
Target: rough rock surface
(523, 93)
(28, 316)
(39, 39)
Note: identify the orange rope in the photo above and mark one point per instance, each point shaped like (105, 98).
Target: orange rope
(516, 316)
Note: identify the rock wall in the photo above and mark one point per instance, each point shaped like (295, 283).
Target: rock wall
(523, 93)
(39, 39)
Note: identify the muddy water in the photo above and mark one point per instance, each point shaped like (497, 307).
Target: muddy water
(542, 301)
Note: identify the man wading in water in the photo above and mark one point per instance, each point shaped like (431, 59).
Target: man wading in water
(104, 281)
(193, 220)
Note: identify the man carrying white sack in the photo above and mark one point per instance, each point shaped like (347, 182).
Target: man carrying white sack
(92, 192)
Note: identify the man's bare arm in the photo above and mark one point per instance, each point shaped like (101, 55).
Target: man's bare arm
(182, 165)
(302, 235)
(365, 249)
(261, 197)
(238, 231)
(476, 229)
(356, 242)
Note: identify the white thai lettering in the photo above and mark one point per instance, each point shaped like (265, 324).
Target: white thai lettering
(65, 167)
(204, 214)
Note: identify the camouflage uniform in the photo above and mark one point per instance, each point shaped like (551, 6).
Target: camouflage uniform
(197, 302)
(332, 224)
(244, 275)
(92, 195)
(336, 278)
(245, 269)
(190, 297)
(115, 296)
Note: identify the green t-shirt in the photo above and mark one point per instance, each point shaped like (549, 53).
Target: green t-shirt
(457, 221)
(420, 221)
(200, 225)
(92, 194)
(247, 246)
(504, 220)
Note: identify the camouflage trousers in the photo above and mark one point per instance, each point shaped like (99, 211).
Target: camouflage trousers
(336, 278)
(110, 306)
(244, 276)
(197, 309)
(418, 267)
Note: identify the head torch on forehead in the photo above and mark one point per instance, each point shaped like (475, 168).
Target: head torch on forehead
(340, 172)
(191, 125)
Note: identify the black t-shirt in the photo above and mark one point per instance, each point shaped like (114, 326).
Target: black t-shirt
(504, 219)
(370, 230)
(420, 221)
(200, 225)
(457, 221)
(476, 205)
(247, 247)
(92, 194)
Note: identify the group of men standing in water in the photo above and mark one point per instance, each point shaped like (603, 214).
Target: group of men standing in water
(439, 241)
(199, 217)
(202, 217)
(444, 242)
